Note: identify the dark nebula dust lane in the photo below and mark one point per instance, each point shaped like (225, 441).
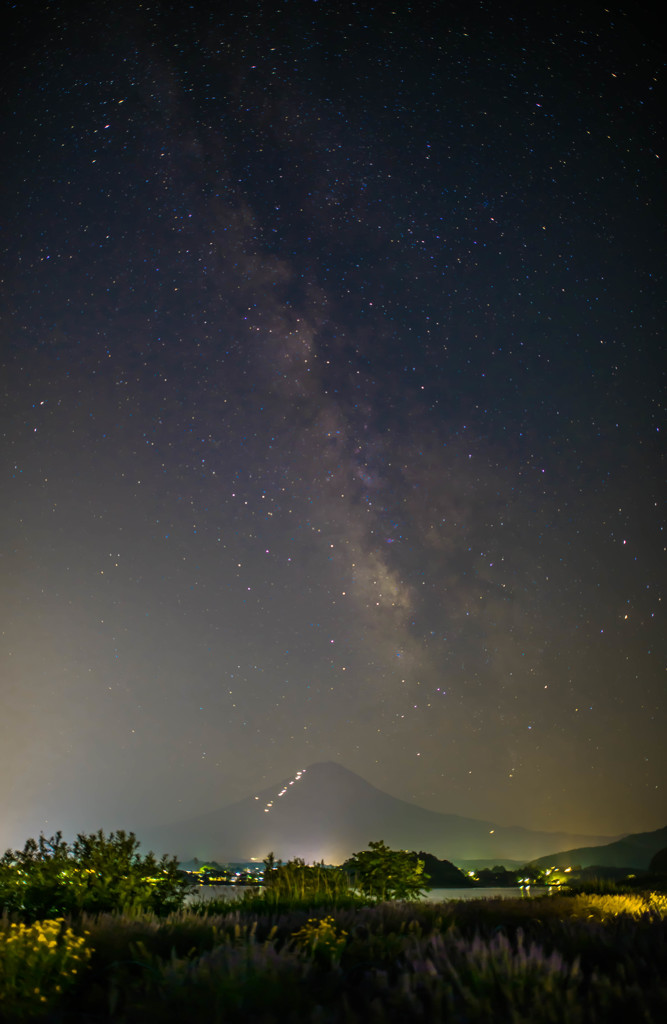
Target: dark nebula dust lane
(332, 398)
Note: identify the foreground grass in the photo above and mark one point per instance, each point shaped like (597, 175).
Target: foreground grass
(584, 959)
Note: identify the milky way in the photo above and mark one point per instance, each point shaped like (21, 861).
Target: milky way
(331, 416)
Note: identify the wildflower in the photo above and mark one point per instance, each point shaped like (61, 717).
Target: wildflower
(38, 962)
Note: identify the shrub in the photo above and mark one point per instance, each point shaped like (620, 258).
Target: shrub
(319, 938)
(383, 874)
(96, 873)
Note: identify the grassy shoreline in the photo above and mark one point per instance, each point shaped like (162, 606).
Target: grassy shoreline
(580, 959)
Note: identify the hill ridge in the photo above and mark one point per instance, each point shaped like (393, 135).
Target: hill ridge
(630, 851)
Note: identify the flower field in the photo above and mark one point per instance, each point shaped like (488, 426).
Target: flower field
(584, 959)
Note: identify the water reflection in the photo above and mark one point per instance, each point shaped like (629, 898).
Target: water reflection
(203, 893)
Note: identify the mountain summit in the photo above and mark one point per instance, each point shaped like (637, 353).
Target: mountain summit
(326, 812)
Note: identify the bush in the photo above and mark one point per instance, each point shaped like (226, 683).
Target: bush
(319, 938)
(96, 873)
(383, 874)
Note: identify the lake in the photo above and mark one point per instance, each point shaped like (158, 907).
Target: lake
(232, 892)
(482, 893)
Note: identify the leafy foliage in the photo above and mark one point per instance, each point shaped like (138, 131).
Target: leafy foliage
(499, 876)
(50, 877)
(586, 958)
(383, 874)
(442, 874)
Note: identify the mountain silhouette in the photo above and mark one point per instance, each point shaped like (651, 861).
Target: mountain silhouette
(327, 812)
(633, 851)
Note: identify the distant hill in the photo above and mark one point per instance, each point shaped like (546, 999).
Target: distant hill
(479, 863)
(633, 851)
(194, 864)
(327, 813)
(442, 874)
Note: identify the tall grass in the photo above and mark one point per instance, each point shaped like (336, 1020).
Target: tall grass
(580, 960)
(297, 880)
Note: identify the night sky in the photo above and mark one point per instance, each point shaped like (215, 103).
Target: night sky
(332, 395)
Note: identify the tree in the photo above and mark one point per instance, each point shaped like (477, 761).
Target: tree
(384, 874)
(443, 874)
(96, 873)
(531, 874)
(659, 862)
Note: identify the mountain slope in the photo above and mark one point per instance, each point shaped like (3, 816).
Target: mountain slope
(327, 812)
(634, 851)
